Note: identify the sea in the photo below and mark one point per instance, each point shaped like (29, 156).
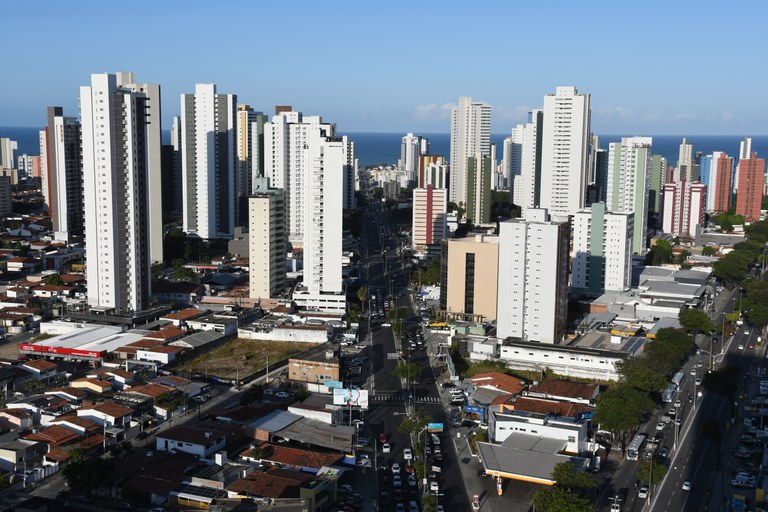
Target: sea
(375, 148)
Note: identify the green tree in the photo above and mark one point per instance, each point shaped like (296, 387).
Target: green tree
(89, 474)
(396, 317)
(619, 408)
(556, 499)
(54, 280)
(431, 275)
(708, 250)
(415, 422)
(732, 268)
(407, 371)
(635, 372)
(695, 320)
(667, 352)
(568, 477)
(660, 253)
(362, 296)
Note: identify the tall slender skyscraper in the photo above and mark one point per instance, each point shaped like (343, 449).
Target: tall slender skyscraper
(628, 184)
(470, 134)
(8, 149)
(565, 152)
(478, 188)
(250, 157)
(62, 177)
(719, 182)
(410, 150)
(117, 181)
(658, 178)
(526, 185)
(208, 126)
(266, 241)
(684, 169)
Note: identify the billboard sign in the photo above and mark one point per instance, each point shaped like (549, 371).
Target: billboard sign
(351, 397)
(60, 351)
(434, 427)
(334, 384)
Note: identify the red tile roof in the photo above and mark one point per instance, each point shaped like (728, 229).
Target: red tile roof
(500, 381)
(54, 435)
(273, 483)
(297, 456)
(556, 407)
(185, 314)
(152, 390)
(41, 365)
(566, 388)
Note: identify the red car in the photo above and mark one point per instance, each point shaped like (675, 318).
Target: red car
(409, 469)
(382, 438)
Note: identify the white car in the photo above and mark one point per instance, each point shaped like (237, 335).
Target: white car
(687, 485)
(660, 425)
(678, 403)
(407, 454)
(385, 448)
(433, 487)
(642, 493)
(395, 468)
(282, 394)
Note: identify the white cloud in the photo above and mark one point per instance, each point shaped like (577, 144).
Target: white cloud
(433, 112)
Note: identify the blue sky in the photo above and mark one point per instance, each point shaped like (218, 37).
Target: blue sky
(652, 67)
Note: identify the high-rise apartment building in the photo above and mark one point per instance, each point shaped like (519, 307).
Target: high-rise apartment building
(267, 241)
(684, 169)
(250, 157)
(325, 162)
(8, 150)
(745, 151)
(684, 204)
(62, 178)
(533, 278)
(208, 127)
(173, 199)
(433, 170)
(565, 152)
(478, 188)
(287, 139)
(118, 177)
(656, 186)
(351, 180)
(469, 276)
(628, 184)
(410, 150)
(716, 171)
(470, 134)
(751, 181)
(602, 250)
(429, 228)
(526, 142)
(6, 199)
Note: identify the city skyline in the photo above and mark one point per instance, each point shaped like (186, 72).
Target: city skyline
(357, 87)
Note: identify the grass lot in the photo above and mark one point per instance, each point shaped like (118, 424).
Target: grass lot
(241, 357)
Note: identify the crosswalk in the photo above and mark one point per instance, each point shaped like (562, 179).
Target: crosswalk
(399, 398)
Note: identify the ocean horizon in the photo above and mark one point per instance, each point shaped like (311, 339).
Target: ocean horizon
(375, 148)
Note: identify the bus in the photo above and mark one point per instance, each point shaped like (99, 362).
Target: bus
(678, 379)
(669, 393)
(635, 448)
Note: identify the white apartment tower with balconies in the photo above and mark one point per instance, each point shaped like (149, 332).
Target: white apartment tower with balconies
(470, 134)
(208, 127)
(533, 278)
(565, 152)
(118, 177)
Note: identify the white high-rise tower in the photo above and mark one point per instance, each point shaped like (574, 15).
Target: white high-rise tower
(208, 126)
(470, 134)
(628, 184)
(117, 184)
(565, 152)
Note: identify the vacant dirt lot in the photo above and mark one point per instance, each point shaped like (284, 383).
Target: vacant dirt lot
(241, 357)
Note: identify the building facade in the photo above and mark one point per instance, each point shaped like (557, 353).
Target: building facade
(62, 178)
(628, 184)
(250, 157)
(429, 228)
(433, 170)
(565, 151)
(602, 250)
(717, 168)
(656, 186)
(208, 127)
(470, 134)
(751, 180)
(683, 208)
(478, 188)
(685, 164)
(267, 241)
(533, 278)
(116, 185)
(469, 276)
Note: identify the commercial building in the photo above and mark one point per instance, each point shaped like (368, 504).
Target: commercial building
(429, 228)
(469, 277)
(267, 241)
(208, 127)
(470, 134)
(683, 208)
(751, 180)
(628, 184)
(602, 250)
(120, 180)
(533, 278)
(565, 151)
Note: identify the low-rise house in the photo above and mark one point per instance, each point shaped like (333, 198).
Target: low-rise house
(44, 408)
(570, 391)
(288, 457)
(177, 293)
(20, 455)
(23, 264)
(201, 442)
(99, 386)
(110, 414)
(180, 318)
(162, 354)
(41, 369)
(277, 484)
(15, 419)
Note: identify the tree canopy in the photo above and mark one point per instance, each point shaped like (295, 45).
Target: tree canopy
(695, 320)
(407, 371)
(619, 408)
(566, 494)
(660, 253)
